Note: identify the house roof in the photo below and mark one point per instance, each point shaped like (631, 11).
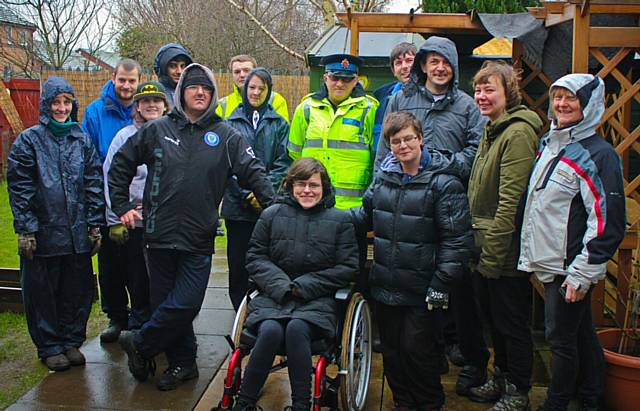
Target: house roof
(7, 15)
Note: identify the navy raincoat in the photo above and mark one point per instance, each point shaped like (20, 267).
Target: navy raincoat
(55, 184)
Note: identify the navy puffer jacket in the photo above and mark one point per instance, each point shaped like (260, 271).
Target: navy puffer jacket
(313, 250)
(55, 183)
(422, 229)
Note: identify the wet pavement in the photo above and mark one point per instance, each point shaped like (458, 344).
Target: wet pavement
(105, 383)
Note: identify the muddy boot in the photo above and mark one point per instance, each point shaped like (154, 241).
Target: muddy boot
(75, 357)
(58, 362)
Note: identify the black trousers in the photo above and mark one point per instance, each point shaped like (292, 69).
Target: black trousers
(178, 284)
(57, 293)
(411, 354)
(123, 276)
(296, 336)
(506, 303)
(577, 360)
(238, 236)
(466, 312)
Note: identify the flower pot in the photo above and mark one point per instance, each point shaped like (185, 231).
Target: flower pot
(622, 391)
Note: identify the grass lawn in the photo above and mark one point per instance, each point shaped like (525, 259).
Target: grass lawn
(20, 368)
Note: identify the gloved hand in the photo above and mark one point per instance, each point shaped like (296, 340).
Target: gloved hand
(437, 299)
(27, 245)
(96, 240)
(119, 234)
(253, 201)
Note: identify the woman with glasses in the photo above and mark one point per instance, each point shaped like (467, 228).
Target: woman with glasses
(418, 210)
(498, 179)
(302, 250)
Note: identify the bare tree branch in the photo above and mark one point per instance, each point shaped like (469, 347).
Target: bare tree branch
(265, 30)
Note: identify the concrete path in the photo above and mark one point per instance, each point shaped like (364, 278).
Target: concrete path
(106, 384)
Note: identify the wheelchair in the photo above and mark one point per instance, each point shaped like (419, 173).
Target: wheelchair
(351, 353)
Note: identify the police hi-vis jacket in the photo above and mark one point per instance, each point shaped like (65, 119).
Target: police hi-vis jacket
(574, 218)
(342, 139)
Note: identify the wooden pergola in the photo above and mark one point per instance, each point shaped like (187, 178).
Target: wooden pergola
(617, 125)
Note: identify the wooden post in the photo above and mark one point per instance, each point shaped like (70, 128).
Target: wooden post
(581, 20)
(355, 38)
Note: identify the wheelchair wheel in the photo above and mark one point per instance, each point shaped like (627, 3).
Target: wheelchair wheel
(238, 322)
(355, 354)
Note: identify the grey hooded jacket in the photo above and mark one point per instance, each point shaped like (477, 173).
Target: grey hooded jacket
(453, 123)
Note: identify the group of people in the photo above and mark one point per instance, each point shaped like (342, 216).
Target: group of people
(464, 200)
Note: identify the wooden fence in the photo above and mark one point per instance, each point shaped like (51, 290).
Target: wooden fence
(88, 86)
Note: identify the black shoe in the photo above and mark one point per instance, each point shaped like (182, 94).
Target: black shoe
(174, 376)
(111, 333)
(455, 355)
(470, 377)
(512, 400)
(139, 366)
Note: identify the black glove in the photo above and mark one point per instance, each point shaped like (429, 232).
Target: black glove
(27, 245)
(96, 240)
(437, 299)
(253, 202)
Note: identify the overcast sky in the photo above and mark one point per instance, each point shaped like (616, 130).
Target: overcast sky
(402, 6)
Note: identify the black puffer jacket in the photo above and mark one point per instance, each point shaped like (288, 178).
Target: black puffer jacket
(313, 250)
(188, 166)
(55, 183)
(269, 143)
(422, 230)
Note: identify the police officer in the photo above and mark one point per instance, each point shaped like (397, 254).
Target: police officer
(335, 125)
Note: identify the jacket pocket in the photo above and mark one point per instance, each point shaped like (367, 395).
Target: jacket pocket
(480, 226)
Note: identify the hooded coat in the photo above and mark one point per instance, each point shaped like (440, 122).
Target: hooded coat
(55, 183)
(574, 215)
(498, 180)
(453, 123)
(104, 118)
(167, 53)
(422, 230)
(269, 143)
(188, 164)
(313, 250)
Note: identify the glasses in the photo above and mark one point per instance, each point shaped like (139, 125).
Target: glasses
(406, 139)
(301, 185)
(197, 87)
(335, 78)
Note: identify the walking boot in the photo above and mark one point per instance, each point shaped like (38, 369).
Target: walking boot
(491, 391)
(139, 366)
(512, 400)
(58, 362)
(75, 357)
(111, 333)
(470, 377)
(174, 376)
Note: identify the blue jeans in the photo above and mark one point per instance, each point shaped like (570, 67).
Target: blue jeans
(178, 281)
(576, 353)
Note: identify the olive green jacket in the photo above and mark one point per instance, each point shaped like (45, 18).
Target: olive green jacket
(499, 177)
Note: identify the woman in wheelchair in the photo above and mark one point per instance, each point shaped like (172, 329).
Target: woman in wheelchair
(417, 208)
(302, 250)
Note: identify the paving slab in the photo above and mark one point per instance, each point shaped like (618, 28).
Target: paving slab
(276, 393)
(105, 383)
